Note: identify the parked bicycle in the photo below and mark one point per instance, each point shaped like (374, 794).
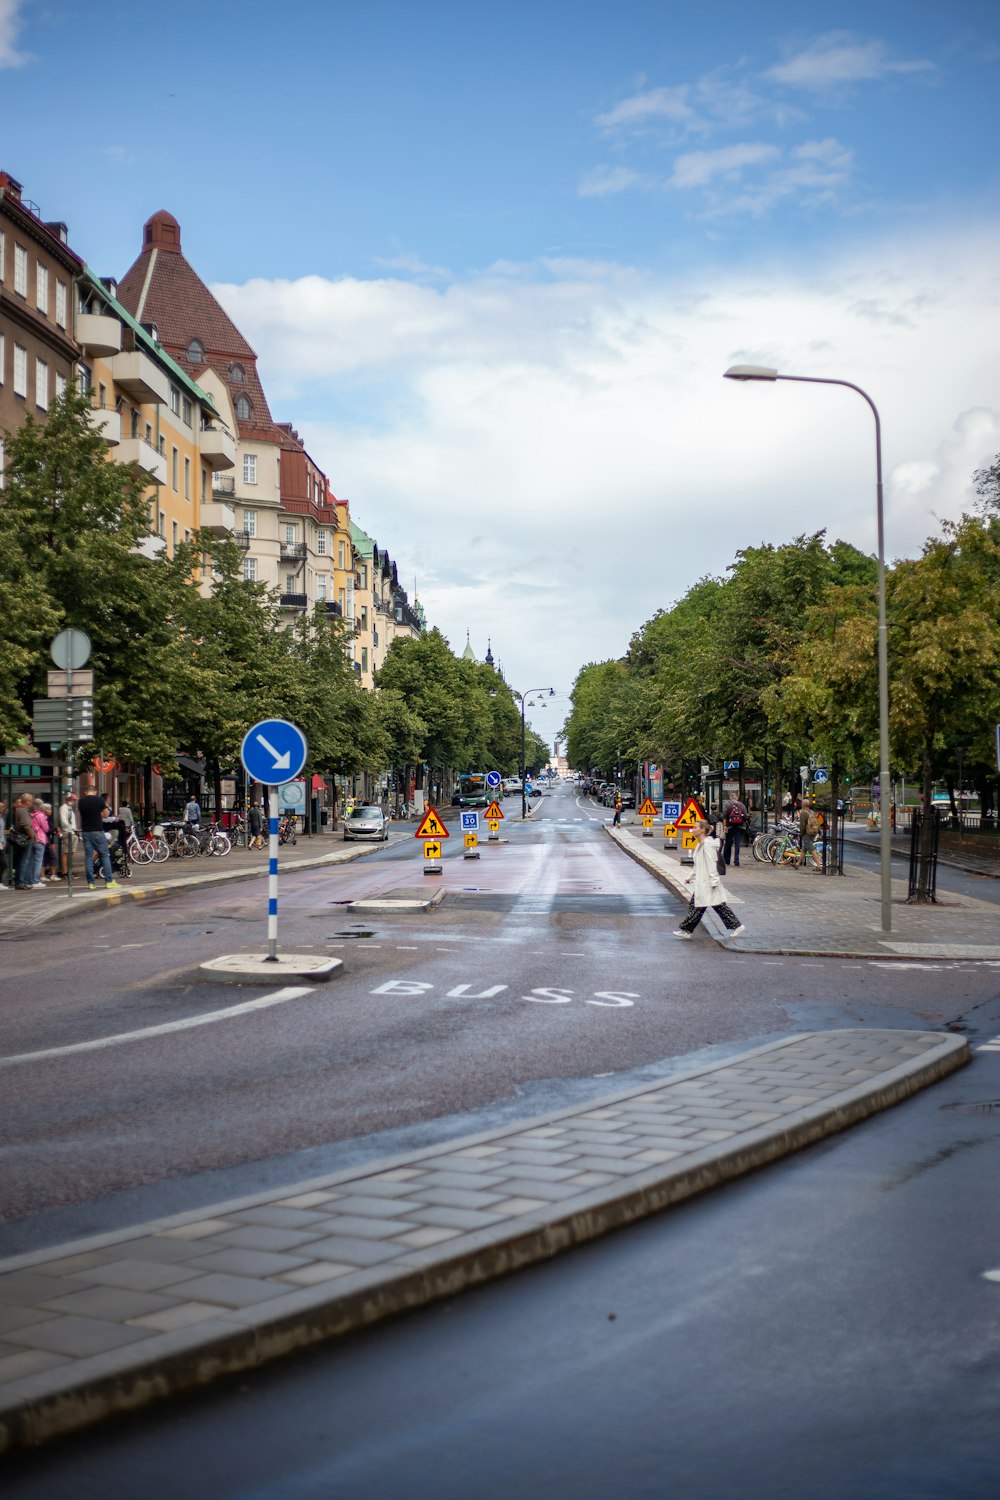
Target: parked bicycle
(287, 829)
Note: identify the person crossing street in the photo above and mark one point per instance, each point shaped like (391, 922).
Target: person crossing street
(706, 885)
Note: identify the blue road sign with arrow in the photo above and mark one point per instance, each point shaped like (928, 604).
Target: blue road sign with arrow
(273, 751)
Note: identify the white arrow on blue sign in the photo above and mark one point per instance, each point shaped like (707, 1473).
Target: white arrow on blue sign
(821, 774)
(273, 751)
(493, 778)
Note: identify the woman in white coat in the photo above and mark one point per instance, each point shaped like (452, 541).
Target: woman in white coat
(708, 889)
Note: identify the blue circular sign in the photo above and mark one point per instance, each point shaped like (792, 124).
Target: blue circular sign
(493, 778)
(273, 751)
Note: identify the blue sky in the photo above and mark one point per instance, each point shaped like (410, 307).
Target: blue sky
(494, 261)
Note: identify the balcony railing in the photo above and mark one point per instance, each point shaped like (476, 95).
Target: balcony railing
(223, 484)
(293, 601)
(294, 551)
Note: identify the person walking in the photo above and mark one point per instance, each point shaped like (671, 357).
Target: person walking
(90, 810)
(23, 841)
(809, 826)
(706, 886)
(617, 819)
(192, 812)
(734, 816)
(69, 833)
(254, 825)
(40, 823)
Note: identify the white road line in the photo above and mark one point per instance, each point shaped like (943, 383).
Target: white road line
(278, 998)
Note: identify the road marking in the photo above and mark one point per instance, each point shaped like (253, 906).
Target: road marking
(278, 998)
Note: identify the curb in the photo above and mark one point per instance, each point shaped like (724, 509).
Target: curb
(39, 1408)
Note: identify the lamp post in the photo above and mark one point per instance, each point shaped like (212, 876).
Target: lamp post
(759, 372)
(523, 696)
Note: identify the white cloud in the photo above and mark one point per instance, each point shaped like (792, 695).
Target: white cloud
(10, 26)
(552, 451)
(700, 168)
(652, 105)
(838, 58)
(601, 181)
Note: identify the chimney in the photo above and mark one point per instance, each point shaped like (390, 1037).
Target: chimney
(11, 184)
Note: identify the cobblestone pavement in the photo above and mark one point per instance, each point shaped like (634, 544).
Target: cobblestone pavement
(802, 911)
(114, 1322)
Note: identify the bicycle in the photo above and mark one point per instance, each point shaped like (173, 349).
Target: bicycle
(286, 829)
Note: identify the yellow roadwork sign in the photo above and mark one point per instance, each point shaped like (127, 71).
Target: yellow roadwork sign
(493, 824)
(493, 813)
(647, 810)
(647, 822)
(432, 849)
(471, 840)
(691, 815)
(670, 830)
(431, 826)
(689, 840)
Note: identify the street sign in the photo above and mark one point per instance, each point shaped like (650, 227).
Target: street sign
(70, 649)
(648, 809)
(691, 815)
(273, 751)
(431, 826)
(493, 779)
(432, 849)
(671, 812)
(821, 774)
(292, 794)
(470, 822)
(647, 822)
(493, 813)
(71, 684)
(689, 840)
(56, 721)
(730, 765)
(471, 840)
(670, 830)
(493, 824)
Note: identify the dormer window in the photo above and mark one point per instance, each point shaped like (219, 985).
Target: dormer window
(237, 374)
(243, 409)
(196, 352)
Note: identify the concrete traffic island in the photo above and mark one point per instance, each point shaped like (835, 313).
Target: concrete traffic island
(257, 968)
(111, 1323)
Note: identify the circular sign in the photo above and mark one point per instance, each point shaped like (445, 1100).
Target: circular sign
(70, 650)
(293, 794)
(493, 778)
(273, 751)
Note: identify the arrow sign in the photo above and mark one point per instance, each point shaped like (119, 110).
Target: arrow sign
(273, 751)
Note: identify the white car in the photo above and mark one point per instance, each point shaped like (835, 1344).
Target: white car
(366, 823)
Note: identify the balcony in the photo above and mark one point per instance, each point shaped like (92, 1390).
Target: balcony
(98, 334)
(218, 518)
(140, 378)
(294, 551)
(293, 601)
(217, 447)
(223, 484)
(242, 540)
(332, 607)
(152, 546)
(138, 451)
(108, 422)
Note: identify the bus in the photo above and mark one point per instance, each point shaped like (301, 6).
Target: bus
(471, 790)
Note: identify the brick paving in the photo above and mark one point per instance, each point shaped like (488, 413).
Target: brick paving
(115, 1321)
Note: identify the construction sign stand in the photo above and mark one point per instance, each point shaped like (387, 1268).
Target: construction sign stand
(691, 815)
(432, 830)
(493, 816)
(647, 813)
(470, 828)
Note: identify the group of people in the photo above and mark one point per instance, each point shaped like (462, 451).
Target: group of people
(37, 848)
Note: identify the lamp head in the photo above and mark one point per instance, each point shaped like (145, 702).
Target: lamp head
(750, 372)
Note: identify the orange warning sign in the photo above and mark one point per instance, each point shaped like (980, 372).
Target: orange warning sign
(431, 826)
(691, 815)
(493, 811)
(648, 809)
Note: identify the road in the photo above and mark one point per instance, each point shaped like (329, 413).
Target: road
(133, 1088)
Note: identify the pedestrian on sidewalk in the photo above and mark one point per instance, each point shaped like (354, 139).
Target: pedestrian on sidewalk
(22, 840)
(706, 886)
(617, 819)
(254, 825)
(90, 810)
(69, 832)
(809, 826)
(734, 816)
(192, 813)
(49, 857)
(3, 845)
(40, 823)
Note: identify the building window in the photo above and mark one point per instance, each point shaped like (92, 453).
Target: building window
(187, 479)
(60, 383)
(289, 536)
(186, 410)
(84, 380)
(249, 468)
(364, 658)
(244, 409)
(364, 617)
(187, 534)
(163, 524)
(175, 400)
(321, 587)
(321, 542)
(173, 468)
(20, 370)
(204, 485)
(61, 303)
(42, 288)
(173, 536)
(20, 269)
(290, 582)
(249, 569)
(102, 395)
(196, 352)
(237, 374)
(250, 522)
(364, 575)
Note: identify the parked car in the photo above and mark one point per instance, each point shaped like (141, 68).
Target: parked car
(511, 784)
(366, 823)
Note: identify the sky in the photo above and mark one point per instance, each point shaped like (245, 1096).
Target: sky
(495, 260)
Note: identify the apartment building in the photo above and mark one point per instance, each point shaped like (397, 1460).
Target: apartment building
(38, 272)
(382, 610)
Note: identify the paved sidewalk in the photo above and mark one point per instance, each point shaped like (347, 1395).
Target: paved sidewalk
(801, 911)
(114, 1322)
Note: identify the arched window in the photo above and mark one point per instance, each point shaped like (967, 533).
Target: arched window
(244, 409)
(196, 352)
(237, 374)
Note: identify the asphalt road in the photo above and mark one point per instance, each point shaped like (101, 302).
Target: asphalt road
(822, 1329)
(547, 971)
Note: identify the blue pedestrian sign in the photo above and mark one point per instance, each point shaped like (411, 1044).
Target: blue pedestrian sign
(274, 752)
(493, 778)
(730, 765)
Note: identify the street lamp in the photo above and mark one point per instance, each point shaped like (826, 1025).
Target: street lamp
(524, 798)
(759, 372)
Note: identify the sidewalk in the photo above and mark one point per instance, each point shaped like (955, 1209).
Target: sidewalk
(112, 1323)
(801, 911)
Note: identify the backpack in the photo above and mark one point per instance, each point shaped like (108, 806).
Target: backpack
(812, 823)
(735, 815)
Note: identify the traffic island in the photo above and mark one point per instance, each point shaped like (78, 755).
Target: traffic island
(257, 968)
